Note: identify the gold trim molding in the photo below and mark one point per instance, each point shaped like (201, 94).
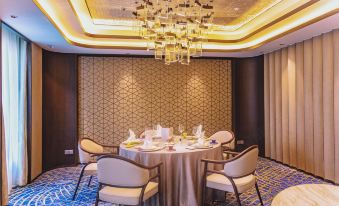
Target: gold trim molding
(306, 15)
(284, 8)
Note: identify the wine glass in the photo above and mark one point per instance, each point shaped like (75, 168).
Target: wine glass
(148, 136)
(194, 132)
(181, 129)
(155, 127)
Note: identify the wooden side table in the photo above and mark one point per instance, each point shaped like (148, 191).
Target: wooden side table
(308, 195)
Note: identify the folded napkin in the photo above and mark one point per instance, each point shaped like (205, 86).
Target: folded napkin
(131, 144)
(158, 131)
(199, 131)
(201, 140)
(202, 134)
(131, 136)
(165, 133)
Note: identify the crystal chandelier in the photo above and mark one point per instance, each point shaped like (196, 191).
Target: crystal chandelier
(175, 29)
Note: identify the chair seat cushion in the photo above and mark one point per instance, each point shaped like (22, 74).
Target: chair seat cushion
(220, 182)
(127, 196)
(91, 169)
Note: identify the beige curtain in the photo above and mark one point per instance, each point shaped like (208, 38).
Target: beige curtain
(302, 105)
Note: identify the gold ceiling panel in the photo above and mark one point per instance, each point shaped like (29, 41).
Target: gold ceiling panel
(246, 24)
(86, 23)
(232, 12)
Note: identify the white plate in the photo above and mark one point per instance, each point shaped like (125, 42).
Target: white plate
(205, 146)
(190, 148)
(150, 148)
(191, 137)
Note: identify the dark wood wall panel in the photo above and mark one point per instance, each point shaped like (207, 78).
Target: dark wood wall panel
(59, 100)
(248, 105)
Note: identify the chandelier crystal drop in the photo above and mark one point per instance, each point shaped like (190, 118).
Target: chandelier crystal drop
(175, 29)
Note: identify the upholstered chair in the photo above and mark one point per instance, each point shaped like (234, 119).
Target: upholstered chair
(238, 175)
(227, 141)
(131, 183)
(142, 135)
(89, 150)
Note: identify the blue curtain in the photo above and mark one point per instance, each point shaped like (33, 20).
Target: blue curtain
(14, 70)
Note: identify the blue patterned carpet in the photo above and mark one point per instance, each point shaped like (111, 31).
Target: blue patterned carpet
(56, 187)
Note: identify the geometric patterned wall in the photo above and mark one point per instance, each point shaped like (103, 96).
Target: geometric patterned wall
(118, 93)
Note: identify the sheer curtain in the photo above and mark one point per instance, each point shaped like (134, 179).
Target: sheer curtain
(14, 69)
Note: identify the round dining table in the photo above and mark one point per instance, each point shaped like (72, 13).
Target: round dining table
(308, 195)
(181, 172)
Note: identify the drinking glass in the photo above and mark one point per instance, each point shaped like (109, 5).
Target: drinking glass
(194, 132)
(181, 129)
(171, 131)
(149, 136)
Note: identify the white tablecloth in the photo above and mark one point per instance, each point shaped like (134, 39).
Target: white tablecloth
(181, 172)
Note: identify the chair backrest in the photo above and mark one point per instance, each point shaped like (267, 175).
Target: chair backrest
(243, 164)
(224, 137)
(84, 157)
(126, 172)
(87, 147)
(142, 135)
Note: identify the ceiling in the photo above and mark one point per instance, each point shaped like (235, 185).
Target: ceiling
(228, 13)
(71, 26)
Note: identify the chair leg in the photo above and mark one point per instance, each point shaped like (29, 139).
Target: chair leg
(76, 189)
(236, 193)
(258, 192)
(97, 197)
(203, 190)
(235, 189)
(161, 199)
(89, 181)
(203, 195)
(160, 190)
(238, 198)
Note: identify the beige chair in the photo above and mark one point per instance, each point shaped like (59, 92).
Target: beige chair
(88, 151)
(142, 135)
(227, 141)
(238, 175)
(131, 183)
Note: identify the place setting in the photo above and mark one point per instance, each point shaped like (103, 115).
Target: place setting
(159, 138)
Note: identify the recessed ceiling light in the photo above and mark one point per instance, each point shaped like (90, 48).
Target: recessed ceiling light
(236, 8)
(14, 16)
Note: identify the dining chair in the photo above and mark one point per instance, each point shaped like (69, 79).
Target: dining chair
(142, 135)
(89, 150)
(238, 175)
(227, 141)
(131, 183)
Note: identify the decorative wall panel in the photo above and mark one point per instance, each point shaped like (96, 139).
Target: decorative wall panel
(118, 93)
